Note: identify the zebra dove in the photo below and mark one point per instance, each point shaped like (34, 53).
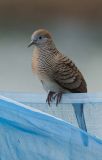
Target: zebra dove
(57, 73)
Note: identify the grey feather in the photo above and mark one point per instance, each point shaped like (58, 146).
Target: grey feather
(79, 113)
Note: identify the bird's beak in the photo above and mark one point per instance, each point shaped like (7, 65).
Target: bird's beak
(31, 43)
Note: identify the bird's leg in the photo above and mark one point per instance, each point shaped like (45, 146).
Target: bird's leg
(49, 97)
(58, 97)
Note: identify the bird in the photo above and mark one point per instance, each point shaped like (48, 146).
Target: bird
(57, 73)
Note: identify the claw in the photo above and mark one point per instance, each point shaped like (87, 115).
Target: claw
(49, 97)
(58, 96)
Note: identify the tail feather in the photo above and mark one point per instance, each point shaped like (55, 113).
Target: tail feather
(79, 113)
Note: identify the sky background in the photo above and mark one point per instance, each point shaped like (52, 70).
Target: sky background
(76, 28)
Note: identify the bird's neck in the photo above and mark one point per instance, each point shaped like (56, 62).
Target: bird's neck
(48, 50)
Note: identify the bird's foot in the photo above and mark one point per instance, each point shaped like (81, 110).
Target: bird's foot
(58, 97)
(49, 97)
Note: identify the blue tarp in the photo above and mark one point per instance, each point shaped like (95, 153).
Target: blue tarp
(28, 134)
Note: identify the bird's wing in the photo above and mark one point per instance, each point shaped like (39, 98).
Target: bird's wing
(68, 76)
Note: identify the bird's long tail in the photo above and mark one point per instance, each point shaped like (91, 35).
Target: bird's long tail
(79, 113)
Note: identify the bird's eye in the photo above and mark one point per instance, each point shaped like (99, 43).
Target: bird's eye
(40, 37)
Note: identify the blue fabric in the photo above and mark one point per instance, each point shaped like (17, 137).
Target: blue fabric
(28, 134)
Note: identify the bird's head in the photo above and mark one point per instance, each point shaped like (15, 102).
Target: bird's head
(40, 38)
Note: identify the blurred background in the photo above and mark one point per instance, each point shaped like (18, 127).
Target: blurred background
(76, 27)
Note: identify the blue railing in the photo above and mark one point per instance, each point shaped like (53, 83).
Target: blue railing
(27, 133)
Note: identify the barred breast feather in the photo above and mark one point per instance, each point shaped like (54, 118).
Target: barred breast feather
(53, 68)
